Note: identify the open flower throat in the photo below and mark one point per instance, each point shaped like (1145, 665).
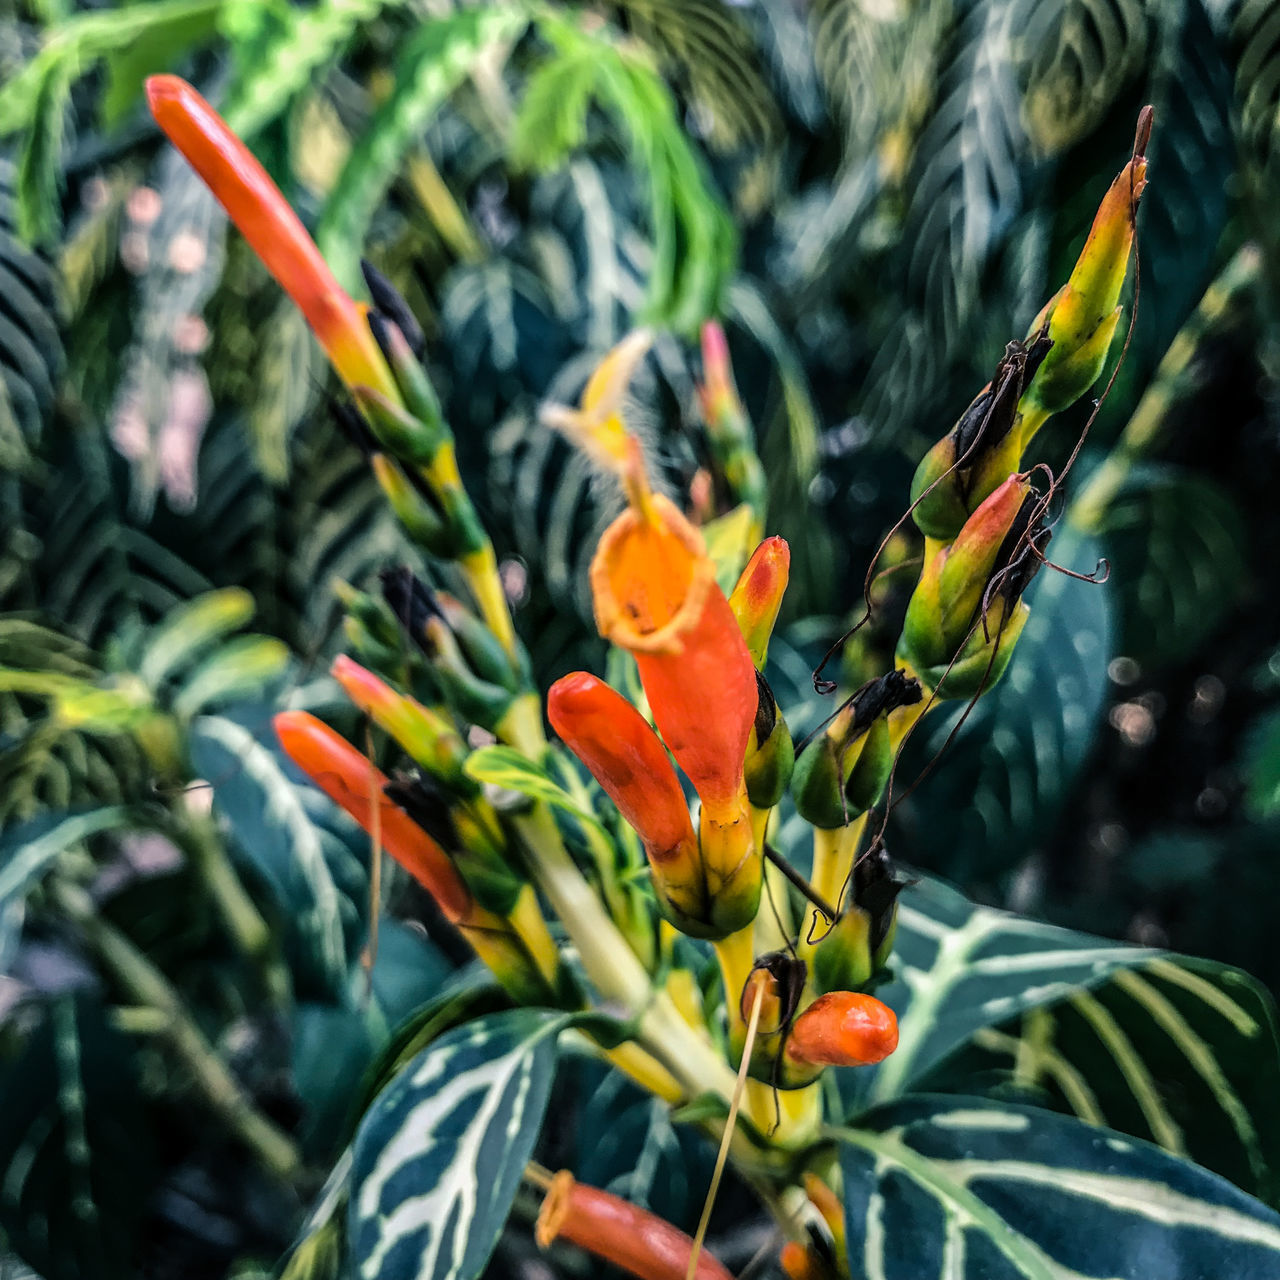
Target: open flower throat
(650, 579)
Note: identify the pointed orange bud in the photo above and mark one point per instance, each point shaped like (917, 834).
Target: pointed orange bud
(349, 780)
(619, 1232)
(843, 1029)
(626, 758)
(1084, 314)
(758, 596)
(254, 203)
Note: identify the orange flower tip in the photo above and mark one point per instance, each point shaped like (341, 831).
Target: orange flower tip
(844, 1029)
(799, 1263)
(631, 1238)
(572, 693)
(364, 688)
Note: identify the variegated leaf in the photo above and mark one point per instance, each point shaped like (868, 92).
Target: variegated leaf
(29, 849)
(968, 1189)
(960, 967)
(253, 790)
(438, 1158)
(1179, 1051)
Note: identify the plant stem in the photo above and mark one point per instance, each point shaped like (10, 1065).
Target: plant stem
(612, 966)
(147, 986)
(437, 201)
(736, 955)
(199, 838)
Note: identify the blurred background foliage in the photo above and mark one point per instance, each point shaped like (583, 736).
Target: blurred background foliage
(875, 196)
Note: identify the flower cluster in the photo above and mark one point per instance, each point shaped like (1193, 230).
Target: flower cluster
(511, 840)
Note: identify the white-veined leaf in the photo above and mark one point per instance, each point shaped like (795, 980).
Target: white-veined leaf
(271, 826)
(960, 967)
(29, 849)
(440, 1155)
(1181, 1051)
(967, 1189)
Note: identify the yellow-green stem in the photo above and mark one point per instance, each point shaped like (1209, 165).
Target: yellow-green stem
(614, 969)
(527, 920)
(736, 955)
(146, 985)
(249, 931)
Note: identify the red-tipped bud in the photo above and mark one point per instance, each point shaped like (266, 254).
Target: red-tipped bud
(758, 596)
(620, 1233)
(425, 736)
(843, 1029)
(255, 205)
(352, 783)
(718, 394)
(1083, 315)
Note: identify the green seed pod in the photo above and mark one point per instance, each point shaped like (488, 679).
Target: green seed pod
(969, 463)
(771, 756)
(946, 601)
(843, 772)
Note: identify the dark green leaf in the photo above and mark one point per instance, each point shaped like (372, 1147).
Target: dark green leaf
(432, 63)
(973, 1190)
(75, 1147)
(272, 828)
(28, 850)
(1011, 764)
(440, 1155)
(1177, 545)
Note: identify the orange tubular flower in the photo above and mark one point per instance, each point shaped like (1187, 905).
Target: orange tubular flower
(626, 758)
(619, 1232)
(254, 203)
(348, 779)
(843, 1029)
(655, 595)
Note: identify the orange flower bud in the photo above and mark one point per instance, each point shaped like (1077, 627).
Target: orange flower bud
(626, 758)
(619, 1232)
(843, 1029)
(348, 779)
(254, 203)
(758, 596)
